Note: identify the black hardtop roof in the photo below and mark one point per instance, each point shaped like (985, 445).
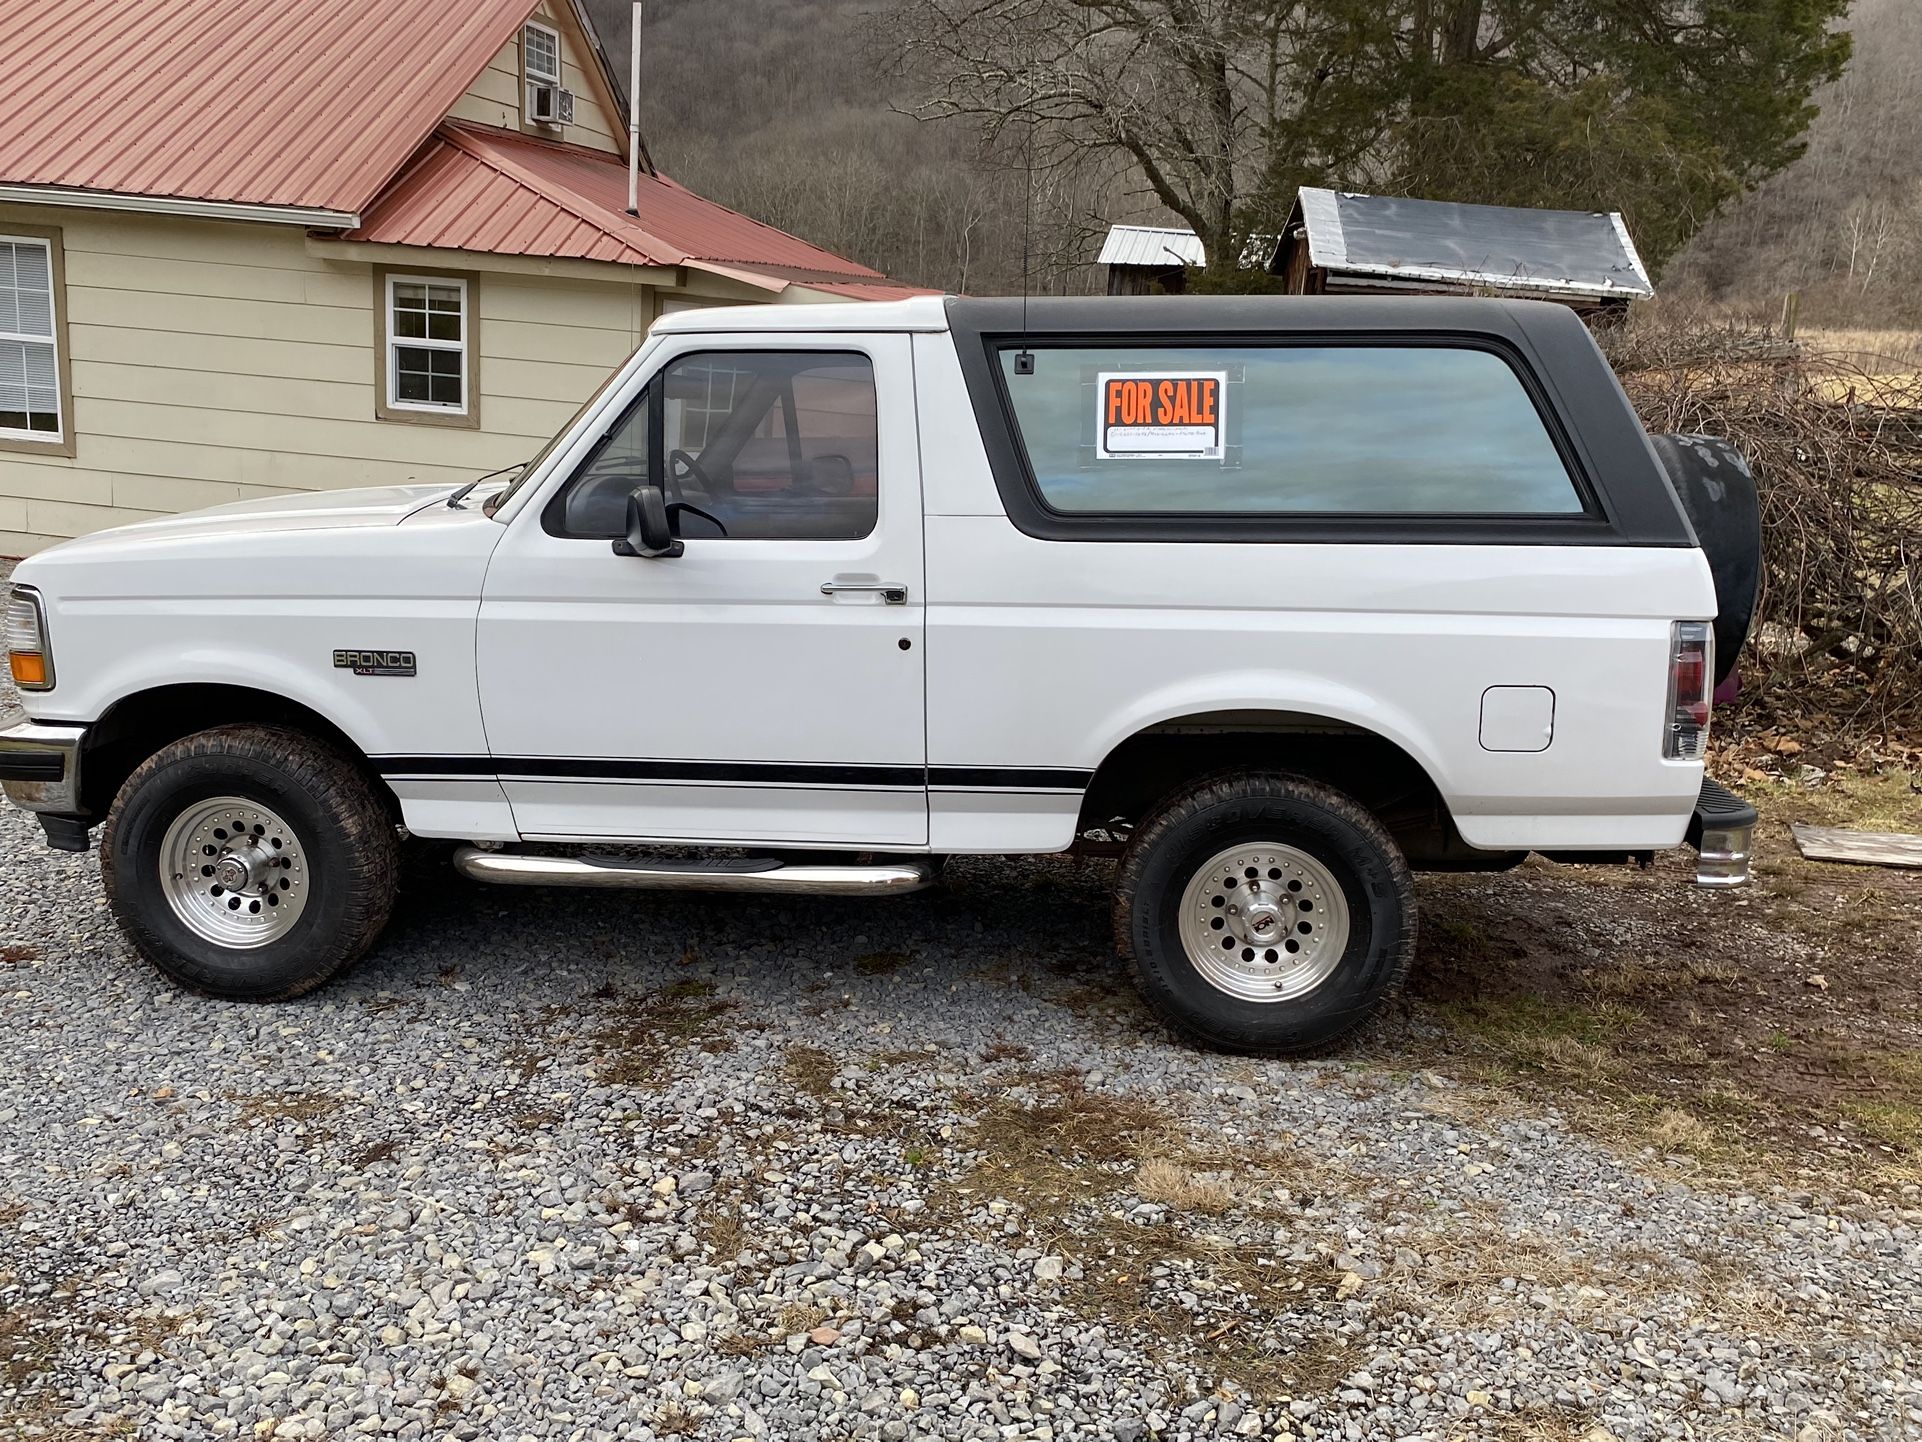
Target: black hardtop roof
(1558, 353)
(1238, 314)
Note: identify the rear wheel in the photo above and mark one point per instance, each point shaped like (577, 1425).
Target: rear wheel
(249, 862)
(1264, 913)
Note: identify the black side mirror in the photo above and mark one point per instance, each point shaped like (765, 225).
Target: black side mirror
(648, 531)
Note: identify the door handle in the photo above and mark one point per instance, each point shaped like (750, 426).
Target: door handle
(892, 593)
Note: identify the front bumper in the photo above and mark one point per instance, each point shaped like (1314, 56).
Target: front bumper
(40, 765)
(1722, 830)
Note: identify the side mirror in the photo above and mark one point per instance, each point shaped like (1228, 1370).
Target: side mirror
(648, 531)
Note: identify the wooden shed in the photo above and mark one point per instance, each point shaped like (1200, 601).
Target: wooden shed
(1341, 243)
(1148, 259)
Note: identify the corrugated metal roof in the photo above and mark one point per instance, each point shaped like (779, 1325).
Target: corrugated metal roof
(868, 289)
(243, 101)
(1497, 246)
(1155, 245)
(479, 189)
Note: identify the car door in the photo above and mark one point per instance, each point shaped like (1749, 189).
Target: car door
(763, 687)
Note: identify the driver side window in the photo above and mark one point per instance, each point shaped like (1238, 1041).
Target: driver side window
(768, 444)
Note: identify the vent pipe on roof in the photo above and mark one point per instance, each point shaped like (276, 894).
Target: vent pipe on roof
(634, 115)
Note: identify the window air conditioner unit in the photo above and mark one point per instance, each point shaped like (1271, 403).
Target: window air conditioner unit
(552, 105)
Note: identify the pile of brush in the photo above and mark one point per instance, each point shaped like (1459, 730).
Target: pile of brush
(1836, 444)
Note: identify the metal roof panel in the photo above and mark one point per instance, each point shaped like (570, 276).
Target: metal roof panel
(479, 189)
(1155, 245)
(239, 101)
(1583, 252)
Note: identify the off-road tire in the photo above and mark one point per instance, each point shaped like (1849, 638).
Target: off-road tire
(351, 853)
(1176, 841)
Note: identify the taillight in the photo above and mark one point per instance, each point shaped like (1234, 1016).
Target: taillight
(1691, 690)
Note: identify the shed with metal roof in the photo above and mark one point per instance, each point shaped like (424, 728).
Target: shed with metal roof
(1347, 243)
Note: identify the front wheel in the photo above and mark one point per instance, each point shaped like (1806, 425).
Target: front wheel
(1264, 913)
(249, 862)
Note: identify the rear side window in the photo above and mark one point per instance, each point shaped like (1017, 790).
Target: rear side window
(1286, 430)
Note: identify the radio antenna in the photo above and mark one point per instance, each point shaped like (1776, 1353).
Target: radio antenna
(1024, 359)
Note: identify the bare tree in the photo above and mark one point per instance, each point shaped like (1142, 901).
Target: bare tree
(1177, 89)
(1221, 108)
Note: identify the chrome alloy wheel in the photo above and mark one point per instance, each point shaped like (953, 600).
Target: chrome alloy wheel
(1264, 922)
(233, 872)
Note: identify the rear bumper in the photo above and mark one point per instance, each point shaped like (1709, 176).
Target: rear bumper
(1722, 830)
(40, 765)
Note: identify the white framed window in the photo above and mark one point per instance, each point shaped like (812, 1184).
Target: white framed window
(30, 400)
(427, 362)
(540, 61)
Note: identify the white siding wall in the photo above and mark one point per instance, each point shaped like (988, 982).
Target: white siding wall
(495, 98)
(217, 362)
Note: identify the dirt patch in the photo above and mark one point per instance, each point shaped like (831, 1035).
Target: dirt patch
(809, 1069)
(1070, 1165)
(297, 1107)
(1780, 1023)
(647, 1032)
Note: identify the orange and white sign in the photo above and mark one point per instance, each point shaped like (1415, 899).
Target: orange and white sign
(1174, 416)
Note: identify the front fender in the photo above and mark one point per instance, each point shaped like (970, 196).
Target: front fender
(111, 650)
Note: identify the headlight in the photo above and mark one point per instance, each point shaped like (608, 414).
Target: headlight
(29, 657)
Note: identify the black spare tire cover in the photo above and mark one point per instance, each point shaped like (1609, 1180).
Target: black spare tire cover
(1717, 489)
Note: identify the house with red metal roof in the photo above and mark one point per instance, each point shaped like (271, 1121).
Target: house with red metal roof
(249, 247)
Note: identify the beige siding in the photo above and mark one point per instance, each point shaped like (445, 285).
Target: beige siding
(495, 98)
(217, 362)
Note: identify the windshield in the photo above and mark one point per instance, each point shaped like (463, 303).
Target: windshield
(501, 497)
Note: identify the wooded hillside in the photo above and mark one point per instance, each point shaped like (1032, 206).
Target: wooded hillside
(1844, 223)
(784, 109)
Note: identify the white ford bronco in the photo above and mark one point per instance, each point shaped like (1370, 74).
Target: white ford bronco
(1274, 599)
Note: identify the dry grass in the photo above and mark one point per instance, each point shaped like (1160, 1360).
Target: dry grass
(1180, 1188)
(799, 1317)
(298, 1107)
(1680, 1131)
(809, 1069)
(1528, 1034)
(1068, 1162)
(647, 1032)
(882, 963)
(1876, 352)
(1891, 801)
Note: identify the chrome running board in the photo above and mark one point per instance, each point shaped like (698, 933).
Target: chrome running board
(507, 868)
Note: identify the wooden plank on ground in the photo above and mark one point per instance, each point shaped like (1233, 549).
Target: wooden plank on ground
(1862, 848)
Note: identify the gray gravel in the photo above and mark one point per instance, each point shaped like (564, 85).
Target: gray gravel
(576, 1166)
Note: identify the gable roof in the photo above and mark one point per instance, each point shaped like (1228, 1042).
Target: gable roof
(475, 188)
(1572, 252)
(262, 102)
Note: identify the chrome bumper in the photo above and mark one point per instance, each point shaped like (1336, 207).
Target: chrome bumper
(1723, 832)
(40, 766)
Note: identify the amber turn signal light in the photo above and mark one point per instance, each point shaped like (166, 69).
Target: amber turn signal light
(23, 631)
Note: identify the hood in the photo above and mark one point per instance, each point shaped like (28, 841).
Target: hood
(308, 511)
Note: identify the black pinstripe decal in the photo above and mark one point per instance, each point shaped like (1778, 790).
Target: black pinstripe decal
(741, 773)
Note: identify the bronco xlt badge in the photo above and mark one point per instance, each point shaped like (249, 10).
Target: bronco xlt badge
(376, 663)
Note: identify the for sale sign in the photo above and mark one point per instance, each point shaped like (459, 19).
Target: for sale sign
(1174, 416)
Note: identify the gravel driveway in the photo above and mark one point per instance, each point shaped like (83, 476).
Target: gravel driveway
(580, 1166)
